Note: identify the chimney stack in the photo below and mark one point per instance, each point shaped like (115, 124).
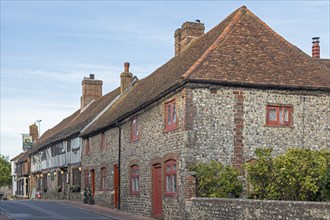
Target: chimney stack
(91, 90)
(188, 32)
(125, 78)
(316, 47)
(34, 132)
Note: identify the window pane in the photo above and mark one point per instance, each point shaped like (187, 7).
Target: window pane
(286, 115)
(174, 113)
(133, 185)
(137, 184)
(281, 115)
(174, 166)
(174, 183)
(272, 115)
(169, 114)
(168, 183)
(168, 168)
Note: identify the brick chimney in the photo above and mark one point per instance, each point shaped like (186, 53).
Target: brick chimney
(125, 78)
(34, 132)
(91, 90)
(184, 35)
(316, 47)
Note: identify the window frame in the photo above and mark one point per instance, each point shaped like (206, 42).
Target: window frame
(171, 115)
(103, 140)
(171, 174)
(280, 115)
(133, 177)
(135, 134)
(87, 145)
(103, 178)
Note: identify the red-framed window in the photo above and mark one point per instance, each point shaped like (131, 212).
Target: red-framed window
(103, 177)
(102, 140)
(170, 116)
(279, 115)
(134, 129)
(87, 151)
(135, 173)
(86, 178)
(170, 177)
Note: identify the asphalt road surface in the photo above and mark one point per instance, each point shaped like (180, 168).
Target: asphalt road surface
(35, 210)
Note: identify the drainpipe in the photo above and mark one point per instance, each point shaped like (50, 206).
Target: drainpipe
(119, 155)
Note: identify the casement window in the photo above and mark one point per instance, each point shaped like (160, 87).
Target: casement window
(170, 177)
(103, 177)
(135, 186)
(134, 129)
(102, 140)
(68, 146)
(86, 178)
(279, 116)
(87, 150)
(76, 176)
(44, 180)
(170, 116)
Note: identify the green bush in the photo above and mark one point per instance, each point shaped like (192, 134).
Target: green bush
(215, 180)
(299, 174)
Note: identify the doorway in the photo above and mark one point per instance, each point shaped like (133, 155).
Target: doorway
(157, 191)
(115, 184)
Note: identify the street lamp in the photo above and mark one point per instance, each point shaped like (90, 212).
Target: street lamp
(39, 127)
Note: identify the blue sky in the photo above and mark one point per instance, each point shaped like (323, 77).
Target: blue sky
(47, 47)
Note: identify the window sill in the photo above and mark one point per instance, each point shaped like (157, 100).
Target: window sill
(167, 130)
(137, 194)
(171, 195)
(279, 126)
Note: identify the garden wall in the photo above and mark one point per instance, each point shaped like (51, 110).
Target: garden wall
(243, 209)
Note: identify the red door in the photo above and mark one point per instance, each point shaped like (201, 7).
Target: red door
(93, 181)
(115, 183)
(157, 174)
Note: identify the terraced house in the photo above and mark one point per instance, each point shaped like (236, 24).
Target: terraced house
(238, 87)
(56, 156)
(225, 93)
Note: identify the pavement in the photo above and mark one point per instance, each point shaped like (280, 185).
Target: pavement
(105, 211)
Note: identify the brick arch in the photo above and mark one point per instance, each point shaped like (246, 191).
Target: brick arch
(170, 156)
(133, 162)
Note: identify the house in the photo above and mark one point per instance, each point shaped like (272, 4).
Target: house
(238, 87)
(21, 184)
(56, 156)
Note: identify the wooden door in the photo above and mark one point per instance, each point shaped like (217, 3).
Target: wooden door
(157, 191)
(93, 181)
(115, 184)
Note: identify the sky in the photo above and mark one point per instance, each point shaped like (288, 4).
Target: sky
(48, 47)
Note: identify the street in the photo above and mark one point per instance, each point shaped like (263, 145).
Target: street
(36, 209)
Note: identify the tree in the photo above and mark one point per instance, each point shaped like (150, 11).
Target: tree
(215, 180)
(5, 169)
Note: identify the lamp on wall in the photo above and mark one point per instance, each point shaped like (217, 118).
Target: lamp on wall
(54, 173)
(37, 175)
(79, 168)
(48, 174)
(62, 172)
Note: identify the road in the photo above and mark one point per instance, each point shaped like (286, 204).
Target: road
(45, 210)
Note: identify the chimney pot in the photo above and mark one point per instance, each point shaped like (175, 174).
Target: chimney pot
(316, 47)
(91, 76)
(126, 67)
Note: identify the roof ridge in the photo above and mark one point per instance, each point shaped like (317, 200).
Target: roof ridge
(240, 12)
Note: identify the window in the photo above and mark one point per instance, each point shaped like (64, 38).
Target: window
(44, 180)
(279, 115)
(86, 178)
(87, 151)
(68, 146)
(103, 177)
(134, 129)
(170, 113)
(76, 176)
(135, 188)
(170, 175)
(102, 140)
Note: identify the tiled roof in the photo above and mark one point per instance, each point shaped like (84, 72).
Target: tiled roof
(72, 125)
(17, 157)
(241, 50)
